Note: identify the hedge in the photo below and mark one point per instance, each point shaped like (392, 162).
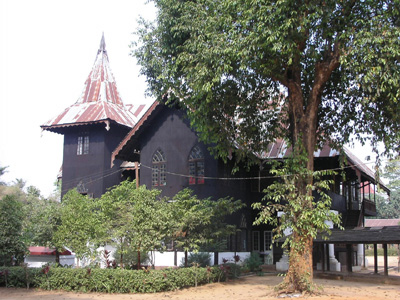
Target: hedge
(111, 280)
(19, 277)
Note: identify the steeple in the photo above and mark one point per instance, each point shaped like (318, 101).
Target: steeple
(102, 47)
(99, 102)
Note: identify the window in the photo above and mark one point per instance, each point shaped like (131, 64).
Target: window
(196, 166)
(256, 241)
(267, 240)
(158, 172)
(83, 144)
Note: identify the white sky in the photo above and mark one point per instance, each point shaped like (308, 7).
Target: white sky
(47, 49)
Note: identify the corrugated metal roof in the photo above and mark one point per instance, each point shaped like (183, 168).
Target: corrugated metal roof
(99, 102)
(280, 149)
(381, 222)
(39, 250)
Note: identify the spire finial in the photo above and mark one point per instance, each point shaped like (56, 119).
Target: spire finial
(102, 45)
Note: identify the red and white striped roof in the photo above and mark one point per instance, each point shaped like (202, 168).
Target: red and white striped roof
(100, 100)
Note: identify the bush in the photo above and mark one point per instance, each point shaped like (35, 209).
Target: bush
(19, 277)
(231, 270)
(253, 262)
(202, 258)
(127, 281)
(109, 280)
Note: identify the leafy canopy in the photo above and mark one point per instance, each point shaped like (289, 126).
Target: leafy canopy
(238, 65)
(136, 219)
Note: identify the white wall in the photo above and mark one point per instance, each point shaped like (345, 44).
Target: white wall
(37, 261)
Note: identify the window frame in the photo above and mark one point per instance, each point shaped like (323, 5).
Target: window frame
(256, 240)
(83, 144)
(159, 168)
(196, 166)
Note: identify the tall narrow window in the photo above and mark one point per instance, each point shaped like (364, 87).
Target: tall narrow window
(196, 166)
(267, 240)
(158, 175)
(83, 144)
(256, 241)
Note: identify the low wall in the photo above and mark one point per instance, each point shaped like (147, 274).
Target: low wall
(167, 259)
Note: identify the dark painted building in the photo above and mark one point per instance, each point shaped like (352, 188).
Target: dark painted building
(172, 158)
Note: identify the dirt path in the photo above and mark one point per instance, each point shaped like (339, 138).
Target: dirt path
(252, 287)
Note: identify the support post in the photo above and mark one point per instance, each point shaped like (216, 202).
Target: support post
(349, 252)
(323, 257)
(175, 257)
(328, 265)
(137, 174)
(385, 260)
(375, 258)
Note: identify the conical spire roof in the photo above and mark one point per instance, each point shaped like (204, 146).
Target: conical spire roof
(99, 102)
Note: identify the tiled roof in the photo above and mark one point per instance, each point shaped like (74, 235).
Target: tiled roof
(100, 100)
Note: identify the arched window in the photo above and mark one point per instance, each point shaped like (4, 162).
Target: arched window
(158, 172)
(196, 166)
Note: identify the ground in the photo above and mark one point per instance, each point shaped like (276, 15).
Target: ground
(246, 288)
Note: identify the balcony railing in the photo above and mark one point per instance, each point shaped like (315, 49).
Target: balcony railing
(369, 208)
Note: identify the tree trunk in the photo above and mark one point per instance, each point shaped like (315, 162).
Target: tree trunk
(186, 258)
(303, 127)
(138, 260)
(138, 256)
(57, 256)
(121, 256)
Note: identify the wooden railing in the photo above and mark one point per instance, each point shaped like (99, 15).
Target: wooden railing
(369, 208)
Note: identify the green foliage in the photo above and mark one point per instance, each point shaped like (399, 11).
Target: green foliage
(3, 170)
(392, 251)
(231, 60)
(301, 213)
(202, 259)
(231, 270)
(135, 219)
(390, 208)
(201, 221)
(80, 226)
(109, 280)
(42, 220)
(125, 281)
(19, 277)
(12, 246)
(130, 258)
(253, 262)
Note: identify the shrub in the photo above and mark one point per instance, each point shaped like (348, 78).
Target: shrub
(231, 270)
(253, 262)
(109, 280)
(19, 277)
(202, 258)
(126, 281)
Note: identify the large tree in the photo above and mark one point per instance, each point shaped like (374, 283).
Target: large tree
(252, 71)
